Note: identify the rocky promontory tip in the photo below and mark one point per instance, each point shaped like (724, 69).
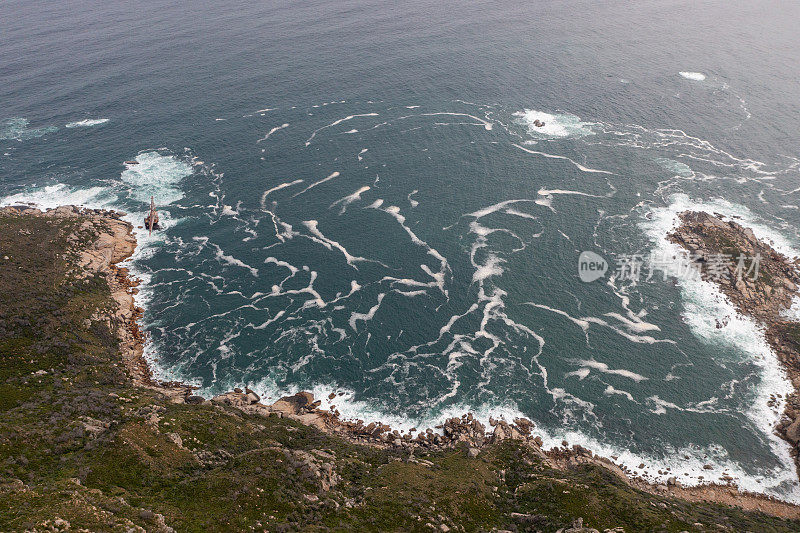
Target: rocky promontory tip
(764, 291)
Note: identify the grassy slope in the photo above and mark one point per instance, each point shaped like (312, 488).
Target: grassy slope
(79, 443)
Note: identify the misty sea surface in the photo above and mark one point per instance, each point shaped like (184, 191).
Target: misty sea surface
(356, 200)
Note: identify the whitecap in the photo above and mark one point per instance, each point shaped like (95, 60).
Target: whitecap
(612, 391)
(485, 123)
(230, 260)
(51, 196)
(694, 76)
(330, 176)
(604, 368)
(273, 130)
(553, 156)
(277, 188)
(87, 123)
(349, 199)
(365, 317)
(336, 123)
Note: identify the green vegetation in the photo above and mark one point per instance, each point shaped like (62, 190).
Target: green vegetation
(80, 444)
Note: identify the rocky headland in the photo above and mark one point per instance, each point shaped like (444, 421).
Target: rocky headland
(91, 441)
(765, 295)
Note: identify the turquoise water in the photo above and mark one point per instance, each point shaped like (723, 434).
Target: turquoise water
(356, 200)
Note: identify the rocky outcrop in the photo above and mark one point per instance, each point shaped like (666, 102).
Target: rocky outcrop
(715, 241)
(313, 466)
(577, 527)
(765, 296)
(103, 240)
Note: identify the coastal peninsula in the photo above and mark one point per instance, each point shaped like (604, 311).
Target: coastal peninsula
(765, 295)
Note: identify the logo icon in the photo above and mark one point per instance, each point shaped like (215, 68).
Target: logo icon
(591, 266)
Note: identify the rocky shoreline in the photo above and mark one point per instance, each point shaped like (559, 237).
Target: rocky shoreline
(112, 242)
(765, 298)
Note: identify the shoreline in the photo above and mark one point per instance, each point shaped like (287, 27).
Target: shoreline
(115, 243)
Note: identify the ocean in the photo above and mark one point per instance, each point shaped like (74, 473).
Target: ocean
(357, 199)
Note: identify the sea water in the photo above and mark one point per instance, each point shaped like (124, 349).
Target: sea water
(355, 200)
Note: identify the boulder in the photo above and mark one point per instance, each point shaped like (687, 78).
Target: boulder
(295, 404)
(174, 437)
(252, 396)
(503, 431)
(793, 432)
(525, 426)
(234, 399)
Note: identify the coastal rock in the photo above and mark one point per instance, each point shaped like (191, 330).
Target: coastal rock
(293, 405)
(64, 211)
(793, 432)
(233, 399)
(503, 431)
(312, 419)
(152, 424)
(252, 396)
(525, 426)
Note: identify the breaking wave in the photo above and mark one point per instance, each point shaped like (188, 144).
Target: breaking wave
(715, 320)
(555, 125)
(156, 175)
(87, 123)
(339, 270)
(52, 196)
(694, 76)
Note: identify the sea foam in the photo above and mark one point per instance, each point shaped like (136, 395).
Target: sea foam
(156, 175)
(18, 129)
(556, 125)
(51, 196)
(685, 463)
